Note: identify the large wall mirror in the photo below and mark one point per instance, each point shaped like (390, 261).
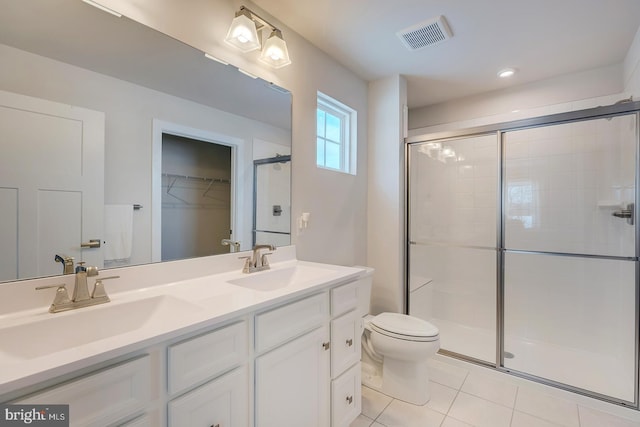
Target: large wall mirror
(121, 146)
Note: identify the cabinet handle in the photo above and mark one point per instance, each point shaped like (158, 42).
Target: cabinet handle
(326, 345)
(349, 400)
(350, 342)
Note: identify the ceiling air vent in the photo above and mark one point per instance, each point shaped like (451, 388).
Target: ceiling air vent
(425, 34)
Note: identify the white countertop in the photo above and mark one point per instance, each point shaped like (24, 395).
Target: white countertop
(173, 309)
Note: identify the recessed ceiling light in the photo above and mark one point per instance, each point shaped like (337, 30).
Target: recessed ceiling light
(507, 72)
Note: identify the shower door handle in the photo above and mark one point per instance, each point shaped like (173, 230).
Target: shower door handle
(626, 213)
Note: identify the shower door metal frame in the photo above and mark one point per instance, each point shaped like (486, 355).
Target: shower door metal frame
(499, 129)
(260, 162)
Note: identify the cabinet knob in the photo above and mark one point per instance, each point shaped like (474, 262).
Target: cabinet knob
(349, 400)
(326, 345)
(350, 342)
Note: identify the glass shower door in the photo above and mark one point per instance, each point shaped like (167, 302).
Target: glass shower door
(272, 201)
(452, 233)
(569, 254)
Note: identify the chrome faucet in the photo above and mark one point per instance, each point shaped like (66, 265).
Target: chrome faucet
(255, 262)
(81, 296)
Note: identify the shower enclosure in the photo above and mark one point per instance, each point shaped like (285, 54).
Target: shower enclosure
(523, 247)
(272, 201)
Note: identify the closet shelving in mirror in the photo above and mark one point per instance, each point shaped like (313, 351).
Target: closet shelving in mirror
(194, 188)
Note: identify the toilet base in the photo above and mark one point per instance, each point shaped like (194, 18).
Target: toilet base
(400, 380)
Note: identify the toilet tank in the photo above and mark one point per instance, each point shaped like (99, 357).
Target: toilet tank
(364, 291)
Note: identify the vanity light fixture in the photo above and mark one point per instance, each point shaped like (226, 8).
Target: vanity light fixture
(103, 8)
(507, 72)
(275, 51)
(245, 34)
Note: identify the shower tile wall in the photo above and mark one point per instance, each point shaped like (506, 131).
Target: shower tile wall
(453, 203)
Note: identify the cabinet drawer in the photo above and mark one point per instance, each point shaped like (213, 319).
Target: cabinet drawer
(203, 357)
(104, 397)
(346, 334)
(283, 323)
(344, 298)
(346, 397)
(223, 402)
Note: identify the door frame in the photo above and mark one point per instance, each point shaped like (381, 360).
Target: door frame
(161, 127)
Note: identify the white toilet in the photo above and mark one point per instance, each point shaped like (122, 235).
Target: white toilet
(395, 350)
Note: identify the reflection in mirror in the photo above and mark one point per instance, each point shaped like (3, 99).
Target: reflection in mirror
(98, 114)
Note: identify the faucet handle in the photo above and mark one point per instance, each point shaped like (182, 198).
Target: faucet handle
(98, 288)
(248, 263)
(62, 296)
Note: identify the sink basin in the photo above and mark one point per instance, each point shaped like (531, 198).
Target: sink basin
(276, 279)
(85, 325)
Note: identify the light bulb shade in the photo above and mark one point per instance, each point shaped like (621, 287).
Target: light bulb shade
(275, 51)
(243, 33)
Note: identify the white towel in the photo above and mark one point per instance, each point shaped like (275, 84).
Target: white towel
(118, 232)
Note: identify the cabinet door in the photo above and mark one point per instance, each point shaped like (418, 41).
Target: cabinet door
(346, 333)
(292, 383)
(223, 402)
(346, 397)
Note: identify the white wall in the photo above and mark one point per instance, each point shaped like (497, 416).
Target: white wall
(130, 110)
(527, 100)
(631, 68)
(337, 230)
(385, 207)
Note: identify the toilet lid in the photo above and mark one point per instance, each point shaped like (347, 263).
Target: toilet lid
(401, 324)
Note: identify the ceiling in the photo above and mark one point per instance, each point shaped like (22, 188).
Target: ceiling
(541, 39)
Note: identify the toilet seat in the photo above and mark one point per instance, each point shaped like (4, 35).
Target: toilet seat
(404, 327)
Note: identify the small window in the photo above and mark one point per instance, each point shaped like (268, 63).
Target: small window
(336, 135)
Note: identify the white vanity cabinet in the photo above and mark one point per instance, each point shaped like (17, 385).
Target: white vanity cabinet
(292, 365)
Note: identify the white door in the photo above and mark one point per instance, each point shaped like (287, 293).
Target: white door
(51, 185)
(292, 383)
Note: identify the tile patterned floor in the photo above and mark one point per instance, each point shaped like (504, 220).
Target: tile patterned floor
(464, 395)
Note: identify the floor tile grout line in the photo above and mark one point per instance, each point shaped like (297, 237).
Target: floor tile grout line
(513, 411)
(382, 412)
(458, 390)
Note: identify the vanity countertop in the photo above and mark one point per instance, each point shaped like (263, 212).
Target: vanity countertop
(36, 345)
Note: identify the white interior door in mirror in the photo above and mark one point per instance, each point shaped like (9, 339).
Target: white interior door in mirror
(53, 180)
